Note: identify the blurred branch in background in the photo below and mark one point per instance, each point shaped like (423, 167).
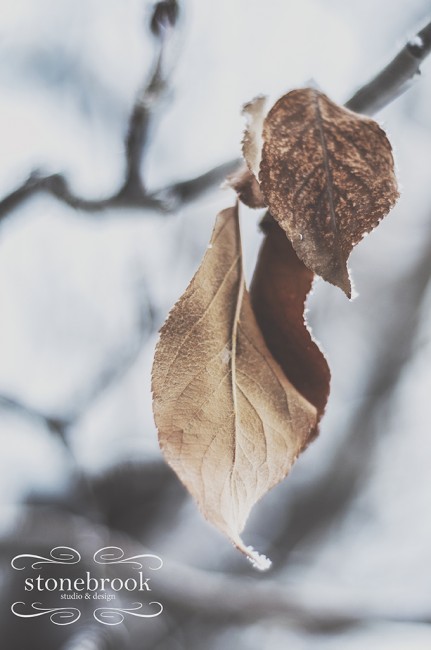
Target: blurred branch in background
(145, 111)
(384, 88)
(393, 80)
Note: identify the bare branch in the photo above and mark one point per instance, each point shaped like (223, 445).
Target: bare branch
(56, 185)
(190, 190)
(385, 87)
(132, 192)
(165, 16)
(393, 80)
(148, 100)
(164, 200)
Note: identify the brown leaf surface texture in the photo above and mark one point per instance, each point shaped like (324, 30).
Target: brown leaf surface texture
(230, 423)
(280, 285)
(327, 175)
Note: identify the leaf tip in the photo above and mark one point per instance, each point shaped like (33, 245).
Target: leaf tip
(253, 107)
(338, 276)
(346, 286)
(257, 560)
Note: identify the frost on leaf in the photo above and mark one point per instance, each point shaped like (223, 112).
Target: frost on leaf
(327, 175)
(230, 423)
(252, 141)
(245, 180)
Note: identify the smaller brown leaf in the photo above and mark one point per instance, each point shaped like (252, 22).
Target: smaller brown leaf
(327, 175)
(230, 423)
(247, 188)
(280, 285)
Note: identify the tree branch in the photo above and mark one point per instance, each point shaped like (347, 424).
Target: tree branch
(132, 193)
(187, 191)
(165, 200)
(384, 88)
(393, 80)
(163, 21)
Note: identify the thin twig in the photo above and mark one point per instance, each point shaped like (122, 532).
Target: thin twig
(146, 105)
(393, 80)
(384, 88)
(185, 192)
(165, 200)
(132, 194)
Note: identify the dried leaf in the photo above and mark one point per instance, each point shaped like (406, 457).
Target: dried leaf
(246, 187)
(230, 423)
(327, 175)
(245, 182)
(252, 141)
(280, 285)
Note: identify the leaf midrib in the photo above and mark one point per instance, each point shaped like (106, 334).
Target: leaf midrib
(235, 325)
(328, 174)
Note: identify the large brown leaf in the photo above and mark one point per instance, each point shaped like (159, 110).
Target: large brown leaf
(327, 175)
(280, 285)
(230, 423)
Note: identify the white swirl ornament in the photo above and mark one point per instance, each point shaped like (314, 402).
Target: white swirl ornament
(57, 615)
(58, 555)
(116, 615)
(115, 555)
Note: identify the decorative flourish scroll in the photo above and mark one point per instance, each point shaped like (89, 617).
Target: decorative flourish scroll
(57, 615)
(115, 555)
(116, 615)
(58, 555)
